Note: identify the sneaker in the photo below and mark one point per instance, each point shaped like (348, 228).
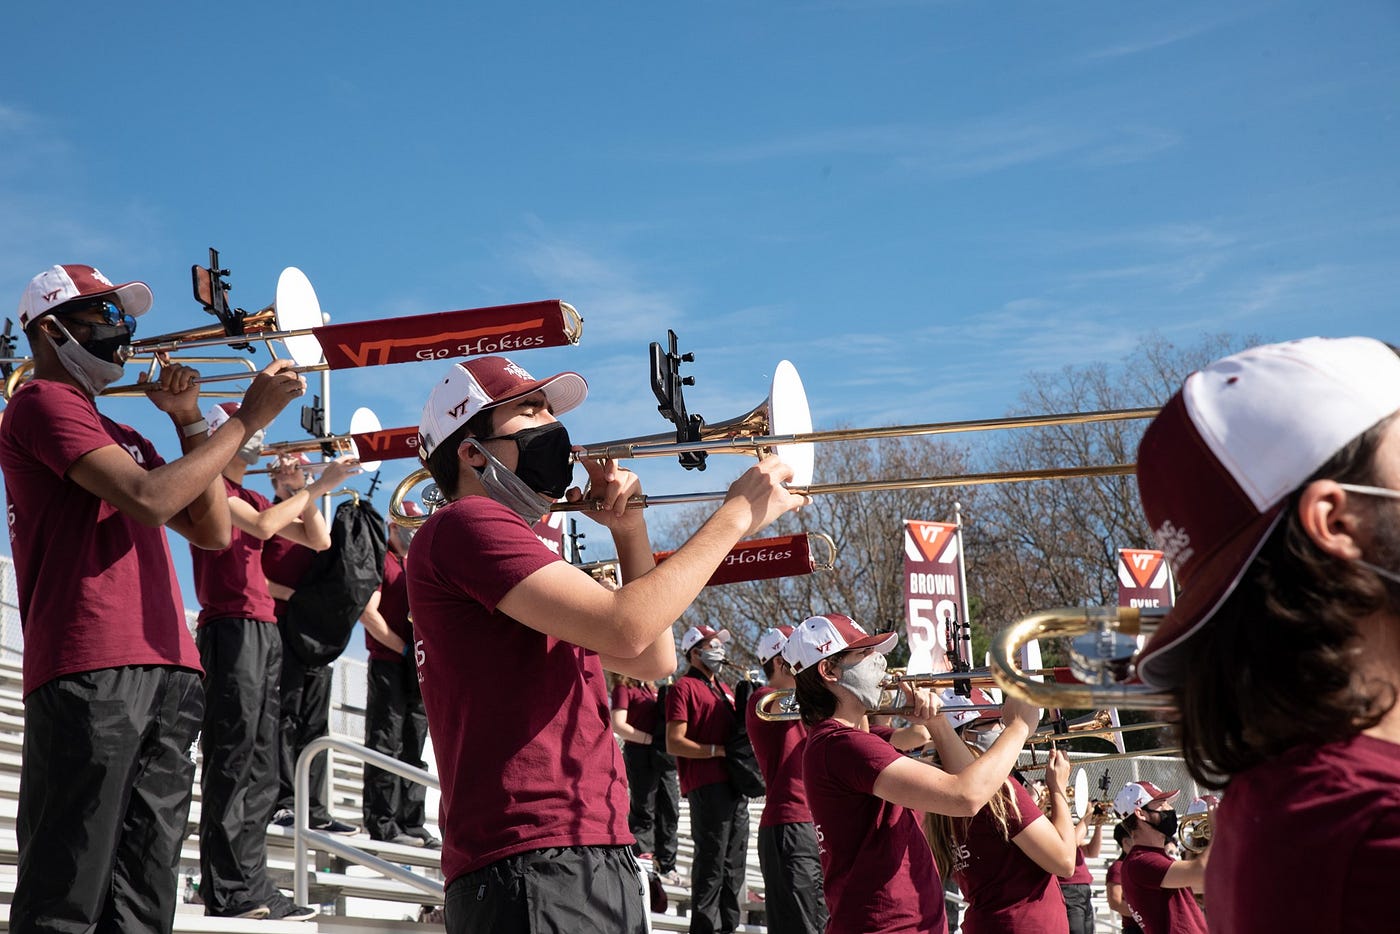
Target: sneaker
(424, 838)
(336, 826)
(671, 878)
(254, 912)
(404, 839)
(282, 908)
(284, 817)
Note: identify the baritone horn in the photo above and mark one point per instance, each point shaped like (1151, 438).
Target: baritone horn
(1194, 832)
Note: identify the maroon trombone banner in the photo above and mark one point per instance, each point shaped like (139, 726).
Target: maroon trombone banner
(1144, 579)
(933, 598)
(445, 335)
(387, 444)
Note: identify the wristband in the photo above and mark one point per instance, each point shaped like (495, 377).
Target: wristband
(712, 750)
(194, 428)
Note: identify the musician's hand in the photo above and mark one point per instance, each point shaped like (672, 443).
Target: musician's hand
(271, 391)
(924, 705)
(610, 486)
(761, 494)
(178, 392)
(1018, 711)
(1057, 774)
(336, 471)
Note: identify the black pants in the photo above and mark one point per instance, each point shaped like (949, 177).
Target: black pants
(719, 825)
(305, 703)
(396, 725)
(103, 799)
(1079, 907)
(656, 802)
(560, 890)
(243, 666)
(792, 879)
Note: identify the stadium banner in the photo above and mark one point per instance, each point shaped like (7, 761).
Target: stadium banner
(934, 602)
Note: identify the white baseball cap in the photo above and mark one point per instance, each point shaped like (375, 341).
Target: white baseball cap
(1219, 461)
(1139, 794)
(481, 383)
(958, 709)
(60, 284)
(820, 637)
(772, 642)
(697, 634)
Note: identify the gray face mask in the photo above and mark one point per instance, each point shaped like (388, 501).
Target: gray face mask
(509, 490)
(713, 658)
(983, 739)
(252, 448)
(863, 679)
(91, 373)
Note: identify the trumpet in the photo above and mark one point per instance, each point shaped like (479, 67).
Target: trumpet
(1194, 832)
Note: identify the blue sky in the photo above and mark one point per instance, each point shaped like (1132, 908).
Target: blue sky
(915, 202)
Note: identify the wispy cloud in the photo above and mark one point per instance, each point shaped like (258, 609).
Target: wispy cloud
(957, 150)
(1160, 38)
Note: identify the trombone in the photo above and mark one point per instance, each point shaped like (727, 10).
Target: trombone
(781, 705)
(781, 424)
(1103, 645)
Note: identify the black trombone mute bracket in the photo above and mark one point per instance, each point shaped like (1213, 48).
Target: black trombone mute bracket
(667, 383)
(7, 349)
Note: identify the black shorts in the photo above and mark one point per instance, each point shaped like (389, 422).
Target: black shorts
(557, 890)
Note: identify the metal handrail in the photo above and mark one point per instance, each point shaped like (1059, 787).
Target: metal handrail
(302, 834)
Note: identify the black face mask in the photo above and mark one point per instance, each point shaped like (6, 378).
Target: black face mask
(1166, 822)
(546, 458)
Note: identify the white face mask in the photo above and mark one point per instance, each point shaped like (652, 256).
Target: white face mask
(713, 657)
(252, 448)
(1388, 574)
(92, 374)
(863, 679)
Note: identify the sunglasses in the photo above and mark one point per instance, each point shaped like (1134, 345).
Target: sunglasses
(112, 316)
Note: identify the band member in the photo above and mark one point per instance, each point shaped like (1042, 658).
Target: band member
(241, 649)
(1158, 888)
(112, 689)
(395, 722)
(700, 719)
(639, 721)
(787, 841)
(878, 871)
(1006, 858)
(1270, 481)
(304, 695)
(534, 797)
(1113, 881)
(1079, 906)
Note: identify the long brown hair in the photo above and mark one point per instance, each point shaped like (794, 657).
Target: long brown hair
(1276, 666)
(945, 834)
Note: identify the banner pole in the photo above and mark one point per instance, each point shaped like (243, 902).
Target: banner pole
(965, 633)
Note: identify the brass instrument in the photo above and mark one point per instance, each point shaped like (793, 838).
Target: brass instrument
(1103, 653)
(1193, 832)
(24, 370)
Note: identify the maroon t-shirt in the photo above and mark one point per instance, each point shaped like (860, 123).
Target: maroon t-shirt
(643, 709)
(708, 719)
(97, 589)
(778, 748)
(1166, 911)
(1310, 841)
(877, 869)
(1081, 876)
(285, 562)
(393, 606)
(519, 719)
(1005, 889)
(230, 583)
